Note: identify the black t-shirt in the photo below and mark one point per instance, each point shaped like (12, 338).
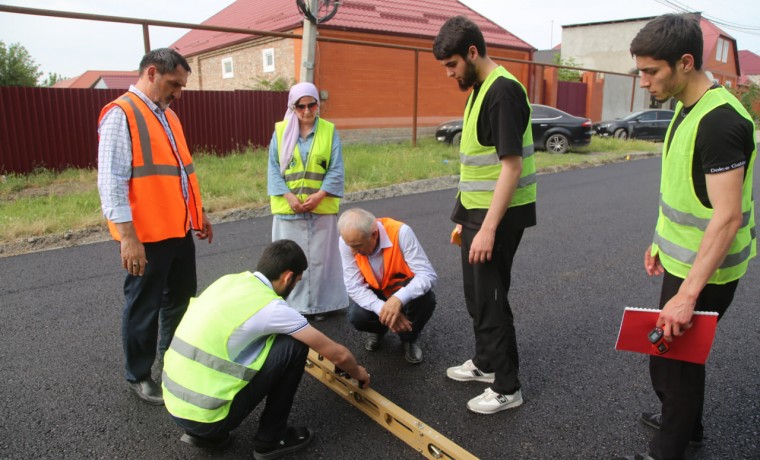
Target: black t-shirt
(725, 141)
(503, 117)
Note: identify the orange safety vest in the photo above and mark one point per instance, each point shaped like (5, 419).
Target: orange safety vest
(159, 210)
(396, 273)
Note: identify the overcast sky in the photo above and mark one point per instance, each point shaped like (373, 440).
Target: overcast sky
(69, 47)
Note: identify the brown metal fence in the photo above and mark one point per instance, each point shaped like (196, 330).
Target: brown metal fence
(56, 128)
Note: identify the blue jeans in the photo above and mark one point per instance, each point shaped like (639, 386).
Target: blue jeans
(418, 311)
(155, 303)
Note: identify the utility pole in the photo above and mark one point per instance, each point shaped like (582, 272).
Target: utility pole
(309, 44)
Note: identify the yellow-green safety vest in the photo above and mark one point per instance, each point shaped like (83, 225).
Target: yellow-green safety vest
(200, 379)
(303, 182)
(682, 216)
(480, 165)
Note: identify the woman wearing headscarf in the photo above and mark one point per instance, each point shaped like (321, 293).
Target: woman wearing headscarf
(305, 184)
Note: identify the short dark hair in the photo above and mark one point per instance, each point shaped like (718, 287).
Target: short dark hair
(166, 60)
(669, 37)
(280, 256)
(456, 36)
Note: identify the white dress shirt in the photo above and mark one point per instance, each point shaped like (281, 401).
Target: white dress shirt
(415, 257)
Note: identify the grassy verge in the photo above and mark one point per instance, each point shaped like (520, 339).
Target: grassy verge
(47, 202)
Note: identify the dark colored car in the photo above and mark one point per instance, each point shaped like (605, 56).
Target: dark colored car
(647, 124)
(553, 130)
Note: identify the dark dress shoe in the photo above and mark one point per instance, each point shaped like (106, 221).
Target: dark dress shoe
(149, 391)
(412, 352)
(207, 443)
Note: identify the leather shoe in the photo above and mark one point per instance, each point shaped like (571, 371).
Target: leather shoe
(412, 352)
(148, 391)
(207, 443)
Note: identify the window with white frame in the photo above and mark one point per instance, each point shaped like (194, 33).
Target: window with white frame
(268, 57)
(228, 70)
(721, 51)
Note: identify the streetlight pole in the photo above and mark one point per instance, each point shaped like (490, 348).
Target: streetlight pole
(309, 44)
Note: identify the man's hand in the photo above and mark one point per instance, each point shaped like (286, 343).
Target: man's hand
(390, 312)
(133, 255)
(482, 246)
(294, 202)
(652, 264)
(675, 317)
(206, 231)
(313, 200)
(362, 377)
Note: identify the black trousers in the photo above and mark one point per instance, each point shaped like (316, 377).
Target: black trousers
(486, 287)
(155, 302)
(277, 380)
(680, 385)
(418, 311)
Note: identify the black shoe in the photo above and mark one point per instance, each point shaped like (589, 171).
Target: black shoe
(207, 443)
(373, 341)
(412, 352)
(149, 391)
(654, 420)
(294, 440)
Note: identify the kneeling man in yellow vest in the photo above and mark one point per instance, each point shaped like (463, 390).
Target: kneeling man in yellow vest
(389, 279)
(240, 342)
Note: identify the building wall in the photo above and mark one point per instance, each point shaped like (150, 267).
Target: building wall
(601, 46)
(247, 65)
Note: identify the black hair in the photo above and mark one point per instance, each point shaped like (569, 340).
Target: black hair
(280, 256)
(166, 61)
(669, 37)
(456, 36)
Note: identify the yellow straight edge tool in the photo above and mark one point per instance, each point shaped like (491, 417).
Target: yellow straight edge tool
(401, 423)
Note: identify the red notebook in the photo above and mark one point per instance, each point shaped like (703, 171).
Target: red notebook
(693, 346)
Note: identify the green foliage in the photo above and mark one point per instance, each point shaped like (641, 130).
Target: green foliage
(567, 74)
(17, 68)
(278, 84)
(749, 96)
(52, 79)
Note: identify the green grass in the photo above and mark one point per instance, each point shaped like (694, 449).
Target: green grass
(47, 202)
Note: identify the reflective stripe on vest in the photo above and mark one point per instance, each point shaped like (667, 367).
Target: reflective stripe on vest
(156, 173)
(396, 272)
(683, 218)
(306, 180)
(480, 165)
(200, 379)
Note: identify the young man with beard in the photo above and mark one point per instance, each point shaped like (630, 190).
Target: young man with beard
(495, 203)
(240, 342)
(704, 236)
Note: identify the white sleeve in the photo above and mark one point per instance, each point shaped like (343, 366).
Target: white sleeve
(415, 257)
(356, 286)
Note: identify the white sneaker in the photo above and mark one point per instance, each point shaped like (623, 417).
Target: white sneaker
(469, 372)
(491, 402)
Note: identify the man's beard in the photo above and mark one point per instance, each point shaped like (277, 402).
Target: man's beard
(289, 288)
(469, 78)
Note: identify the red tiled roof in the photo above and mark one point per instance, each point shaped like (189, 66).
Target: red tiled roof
(418, 18)
(749, 63)
(118, 81)
(89, 78)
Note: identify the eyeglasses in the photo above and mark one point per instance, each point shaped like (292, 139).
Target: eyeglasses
(310, 106)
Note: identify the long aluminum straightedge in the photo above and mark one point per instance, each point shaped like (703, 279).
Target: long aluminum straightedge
(401, 423)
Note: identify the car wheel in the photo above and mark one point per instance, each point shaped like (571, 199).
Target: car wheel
(457, 139)
(556, 143)
(621, 134)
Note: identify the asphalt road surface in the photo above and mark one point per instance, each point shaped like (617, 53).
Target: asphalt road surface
(63, 393)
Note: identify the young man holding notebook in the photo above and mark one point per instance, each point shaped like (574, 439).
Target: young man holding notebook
(704, 236)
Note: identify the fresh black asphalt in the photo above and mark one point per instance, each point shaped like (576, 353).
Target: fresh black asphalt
(62, 393)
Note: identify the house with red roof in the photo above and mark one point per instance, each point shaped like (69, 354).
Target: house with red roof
(749, 63)
(361, 86)
(100, 79)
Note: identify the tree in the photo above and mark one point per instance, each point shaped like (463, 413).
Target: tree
(567, 74)
(749, 96)
(17, 68)
(52, 79)
(278, 84)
